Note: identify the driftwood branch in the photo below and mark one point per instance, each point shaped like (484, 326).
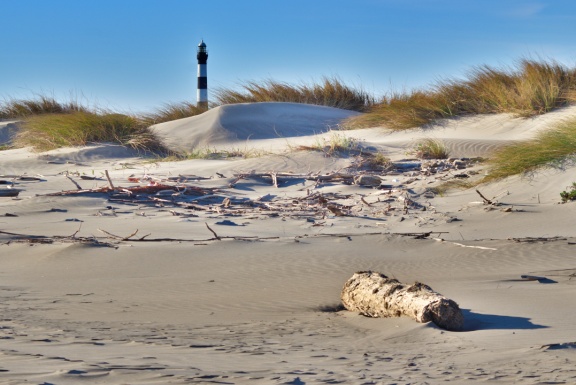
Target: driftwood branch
(109, 180)
(375, 295)
(118, 237)
(486, 200)
(212, 231)
(73, 181)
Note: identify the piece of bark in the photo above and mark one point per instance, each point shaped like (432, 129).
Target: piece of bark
(374, 295)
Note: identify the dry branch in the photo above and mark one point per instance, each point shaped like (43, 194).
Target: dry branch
(73, 181)
(375, 295)
(109, 180)
(486, 200)
(212, 231)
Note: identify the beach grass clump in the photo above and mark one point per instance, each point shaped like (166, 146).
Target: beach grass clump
(215, 154)
(570, 195)
(40, 104)
(550, 148)
(336, 143)
(376, 160)
(531, 87)
(49, 131)
(430, 149)
(172, 111)
(331, 92)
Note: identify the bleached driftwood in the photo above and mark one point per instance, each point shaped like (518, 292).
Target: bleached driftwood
(375, 295)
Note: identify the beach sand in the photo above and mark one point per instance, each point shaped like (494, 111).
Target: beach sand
(241, 284)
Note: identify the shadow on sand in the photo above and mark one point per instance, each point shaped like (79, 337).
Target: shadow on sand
(476, 321)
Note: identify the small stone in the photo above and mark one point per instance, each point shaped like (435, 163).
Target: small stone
(368, 180)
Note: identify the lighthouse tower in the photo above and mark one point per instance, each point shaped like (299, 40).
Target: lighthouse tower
(202, 93)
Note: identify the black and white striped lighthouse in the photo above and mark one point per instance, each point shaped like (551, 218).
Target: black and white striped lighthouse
(202, 93)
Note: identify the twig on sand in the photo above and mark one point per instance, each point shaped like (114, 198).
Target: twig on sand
(73, 181)
(213, 232)
(77, 231)
(95, 241)
(43, 239)
(423, 235)
(109, 180)
(118, 237)
(538, 239)
(486, 200)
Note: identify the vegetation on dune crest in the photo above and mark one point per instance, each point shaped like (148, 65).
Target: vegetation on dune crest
(551, 148)
(41, 104)
(329, 92)
(172, 111)
(50, 131)
(533, 87)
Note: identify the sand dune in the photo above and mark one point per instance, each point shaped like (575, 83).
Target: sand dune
(235, 123)
(158, 299)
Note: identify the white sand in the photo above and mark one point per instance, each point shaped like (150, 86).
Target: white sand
(249, 312)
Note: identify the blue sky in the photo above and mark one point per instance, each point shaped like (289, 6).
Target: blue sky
(138, 54)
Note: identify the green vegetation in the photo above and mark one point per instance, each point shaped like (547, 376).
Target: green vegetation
(569, 195)
(330, 92)
(48, 131)
(430, 149)
(534, 87)
(550, 148)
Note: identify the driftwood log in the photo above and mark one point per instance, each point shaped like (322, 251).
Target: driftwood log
(375, 295)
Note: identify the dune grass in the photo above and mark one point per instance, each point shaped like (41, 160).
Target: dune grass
(172, 111)
(40, 104)
(430, 149)
(551, 148)
(330, 92)
(215, 154)
(49, 131)
(532, 87)
(336, 143)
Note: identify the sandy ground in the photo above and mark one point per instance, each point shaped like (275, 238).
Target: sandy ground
(236, 281)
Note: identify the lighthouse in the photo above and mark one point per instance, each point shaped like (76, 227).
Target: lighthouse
(202, 92)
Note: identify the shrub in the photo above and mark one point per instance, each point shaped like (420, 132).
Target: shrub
(569, 195)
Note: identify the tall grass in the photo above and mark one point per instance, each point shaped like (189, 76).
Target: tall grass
(49, 131)
(550, 148)
(48, 124)
(41, 104)
(329, 92)
(532, 87)
(172, 111)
